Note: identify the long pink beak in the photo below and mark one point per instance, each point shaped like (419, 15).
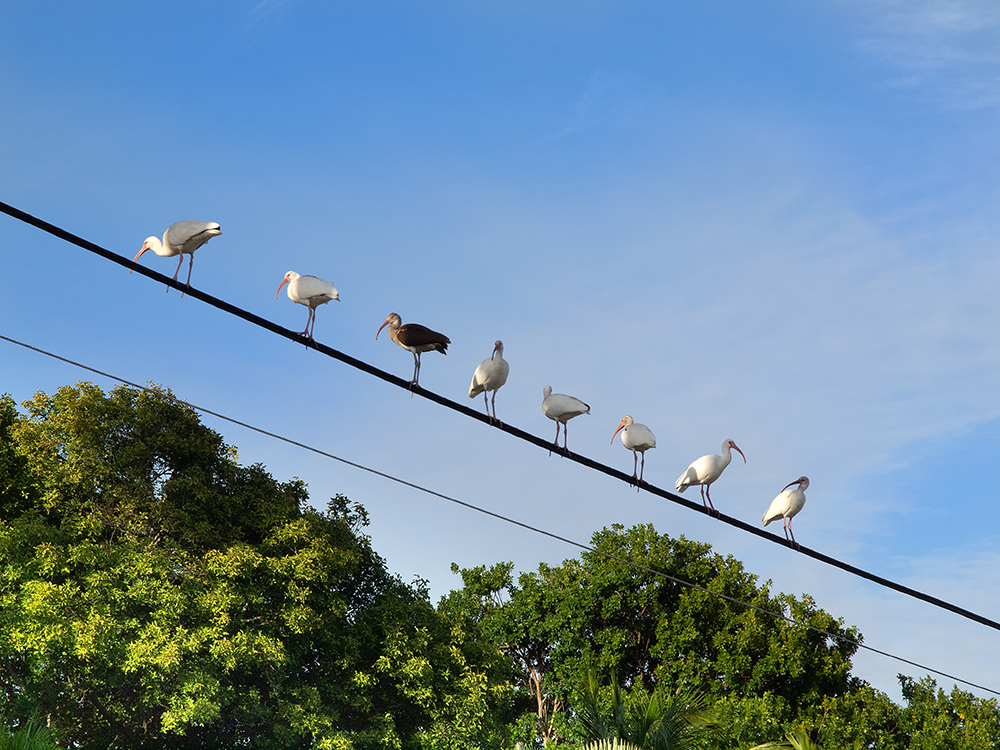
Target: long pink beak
(616, 432)
(381, 327)
(279, 288)
(797, 481)
(737, 449)
(145, 247)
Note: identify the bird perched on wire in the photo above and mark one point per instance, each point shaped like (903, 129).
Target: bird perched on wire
(416, 339)
(786, 505)
(706, 470)
(310, 291)
(561, 408)
(182, 238)
(637, 438)
(490, 376)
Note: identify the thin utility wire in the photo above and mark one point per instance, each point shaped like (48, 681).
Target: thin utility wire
(515, 522)
(465, 410)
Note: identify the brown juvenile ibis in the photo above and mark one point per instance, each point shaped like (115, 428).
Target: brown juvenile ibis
(489, 376)
(562, 408)
(416, 339)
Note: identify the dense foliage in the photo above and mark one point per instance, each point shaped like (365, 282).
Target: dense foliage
(154, 593)
(764, 675)
(657, 720)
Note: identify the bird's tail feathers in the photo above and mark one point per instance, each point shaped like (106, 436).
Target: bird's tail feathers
(683, 482)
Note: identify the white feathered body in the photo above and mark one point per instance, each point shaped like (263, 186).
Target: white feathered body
(707, 469)
(491, 373)
(310, 291)
(636, 437)
(788, 502)
(560, 407)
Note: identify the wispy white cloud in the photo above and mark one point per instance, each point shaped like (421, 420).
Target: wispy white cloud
(952, 46)
(610, 101)
(263, 9)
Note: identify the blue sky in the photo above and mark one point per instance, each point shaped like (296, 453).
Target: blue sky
(773, 222)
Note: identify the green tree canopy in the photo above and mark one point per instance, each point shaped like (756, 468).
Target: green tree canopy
(155, 593)
(768, 679)
(957, 720)
(651, 629)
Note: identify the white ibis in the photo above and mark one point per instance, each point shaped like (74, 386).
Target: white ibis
(562, 408)
(310, 291)
(489, 376)
(416, 339)
(637, 438)
(706, 470)
(786, 505)
(182, 238)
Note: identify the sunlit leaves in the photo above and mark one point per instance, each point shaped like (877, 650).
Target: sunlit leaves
(156, 594)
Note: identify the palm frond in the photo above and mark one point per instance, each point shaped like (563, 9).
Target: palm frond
(610, 744)
(796, 739)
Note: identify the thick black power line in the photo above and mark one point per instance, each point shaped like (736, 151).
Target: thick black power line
(515, 522)
(462, 409)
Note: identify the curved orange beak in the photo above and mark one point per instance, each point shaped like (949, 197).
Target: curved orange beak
(735, 447)
(284, 281)
(145, 247)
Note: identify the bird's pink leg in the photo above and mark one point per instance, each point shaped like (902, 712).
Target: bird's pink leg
(306, 331)
(708, 494)
(179, 261)
(643, 467)
(494, 401)
(190, 266)
(794, 543)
